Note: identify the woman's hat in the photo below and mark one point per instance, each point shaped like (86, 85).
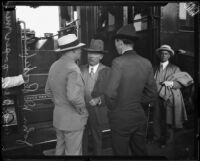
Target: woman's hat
(96, 46)
(68, 42)
(127, 32)
(165, 48)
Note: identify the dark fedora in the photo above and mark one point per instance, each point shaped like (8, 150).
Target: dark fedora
(96, 46)
(126, 32)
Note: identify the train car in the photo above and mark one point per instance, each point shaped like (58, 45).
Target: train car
(28, 112)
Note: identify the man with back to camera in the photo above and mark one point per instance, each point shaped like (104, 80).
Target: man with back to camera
(95, 76)
(130, 79)
(66, 86)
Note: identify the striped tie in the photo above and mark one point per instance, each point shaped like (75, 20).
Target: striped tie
(92, 72)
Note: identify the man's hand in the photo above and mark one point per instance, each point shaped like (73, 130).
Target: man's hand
(168, 83)
(95, 101)
(81, 111)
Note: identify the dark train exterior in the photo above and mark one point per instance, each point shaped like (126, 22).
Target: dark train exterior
(156, 24)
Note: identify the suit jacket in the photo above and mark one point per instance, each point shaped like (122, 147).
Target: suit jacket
(66, 86)
(100, 111)
(130, 79)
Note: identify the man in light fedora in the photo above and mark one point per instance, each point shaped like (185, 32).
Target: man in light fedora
(65, 85)
(95, 76)
(131, 77)
(167, 115)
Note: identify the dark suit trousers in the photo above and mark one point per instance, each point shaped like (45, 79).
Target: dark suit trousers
(160, 127)
(135, 142)
(92, 137)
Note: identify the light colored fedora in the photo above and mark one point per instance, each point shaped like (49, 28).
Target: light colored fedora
(96, 46)
(68, 42)
(166, 48)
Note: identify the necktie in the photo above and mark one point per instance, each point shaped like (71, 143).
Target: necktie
(92, 72)
(161, 66)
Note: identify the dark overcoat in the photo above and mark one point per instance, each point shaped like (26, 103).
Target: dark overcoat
(131, 78)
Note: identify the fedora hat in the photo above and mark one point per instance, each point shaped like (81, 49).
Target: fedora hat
(96, 46)
(165, 48)
(126, 32)
(68, 42)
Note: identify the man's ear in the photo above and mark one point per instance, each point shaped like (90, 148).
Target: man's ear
(101, 57)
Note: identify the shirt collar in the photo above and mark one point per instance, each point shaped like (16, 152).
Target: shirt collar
(164, 64)
(95, 67)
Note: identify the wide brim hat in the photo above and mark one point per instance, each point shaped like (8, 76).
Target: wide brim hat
(68, 42)
(96, 46)
(127, 32)
(165, 48)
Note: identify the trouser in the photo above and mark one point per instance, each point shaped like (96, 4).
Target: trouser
(69, 142)
(96, 139)
(135, 141)
(160, 128)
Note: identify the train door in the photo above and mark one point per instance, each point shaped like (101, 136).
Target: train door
(104, 21)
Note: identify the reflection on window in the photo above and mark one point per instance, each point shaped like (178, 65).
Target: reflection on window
(140, 18)
(186, 21)
(140, 22)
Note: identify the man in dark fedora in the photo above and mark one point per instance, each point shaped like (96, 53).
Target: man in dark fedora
(95, 76)
(131, 78)
(66, 87)
(170, 112)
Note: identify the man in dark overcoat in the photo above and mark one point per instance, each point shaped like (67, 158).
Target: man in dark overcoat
(130, 79)
(95, 76)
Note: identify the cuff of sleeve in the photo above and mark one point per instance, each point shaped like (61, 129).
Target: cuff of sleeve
(100, 102)
(172, 83)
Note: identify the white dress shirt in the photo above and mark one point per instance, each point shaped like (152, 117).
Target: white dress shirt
(167, 83)
(164, 64)
(94, 68)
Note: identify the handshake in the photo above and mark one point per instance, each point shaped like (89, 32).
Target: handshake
(95, 101)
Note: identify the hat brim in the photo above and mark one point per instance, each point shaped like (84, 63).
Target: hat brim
(95, 51)
(121, 36)
(164, 49)
(70, 48)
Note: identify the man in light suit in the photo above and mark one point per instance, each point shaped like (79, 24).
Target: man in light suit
(66, 86)
(95, 76)
(131, 79)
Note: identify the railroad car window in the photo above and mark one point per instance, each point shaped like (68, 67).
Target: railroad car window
(186, 21)
(140, 18)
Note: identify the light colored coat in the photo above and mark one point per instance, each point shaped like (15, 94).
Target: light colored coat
(174, 98)
(66, 86)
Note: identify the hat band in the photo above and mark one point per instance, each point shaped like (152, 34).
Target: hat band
(75, 43)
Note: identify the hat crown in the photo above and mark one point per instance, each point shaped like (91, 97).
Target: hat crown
(67, 39)
(68, 42)
(127, 30)
(166, 46)
(97, 45)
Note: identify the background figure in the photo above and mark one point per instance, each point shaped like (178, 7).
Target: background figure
(130, 80)
(66, 86)
(9, 82)
(170, 111)
(95, 76)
